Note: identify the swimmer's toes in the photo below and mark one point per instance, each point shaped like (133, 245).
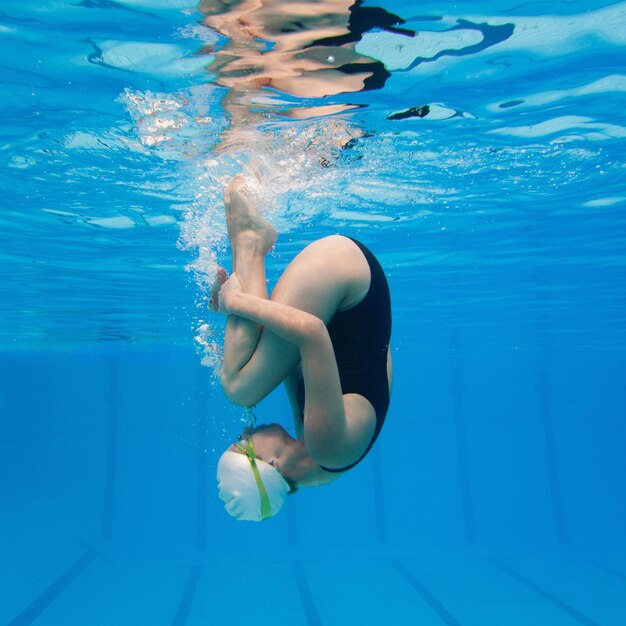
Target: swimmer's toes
(220, 278)
(237, 185)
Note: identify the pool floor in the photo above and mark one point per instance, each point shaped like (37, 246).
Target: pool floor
(65, 582)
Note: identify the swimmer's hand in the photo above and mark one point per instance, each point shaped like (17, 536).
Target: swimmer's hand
(228, 293)
(220, 278)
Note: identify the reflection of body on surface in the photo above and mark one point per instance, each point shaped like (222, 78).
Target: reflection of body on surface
(325, 334)
(304, 49)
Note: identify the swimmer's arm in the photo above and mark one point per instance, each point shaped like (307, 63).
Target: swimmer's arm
(291, 384)
(326, 433)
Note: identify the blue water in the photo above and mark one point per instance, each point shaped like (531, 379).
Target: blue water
(495, 494)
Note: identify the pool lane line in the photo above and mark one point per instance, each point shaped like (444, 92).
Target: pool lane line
(425, 594)
(608, 569)
(292, 524)
(29, 614)
(110, 472)
(566, 608)
(186, 599)
(306, 597)
(202, 490)
(543, 392)
(457, 391)
(202, 460)
(379, 496)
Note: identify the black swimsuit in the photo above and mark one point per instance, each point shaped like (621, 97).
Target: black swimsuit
(360, 337)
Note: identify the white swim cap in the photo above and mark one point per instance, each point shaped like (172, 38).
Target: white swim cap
(238, 487)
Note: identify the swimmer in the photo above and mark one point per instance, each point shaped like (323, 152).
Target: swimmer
(324, 333)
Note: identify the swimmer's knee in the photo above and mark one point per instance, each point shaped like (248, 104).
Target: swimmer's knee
(229, 386)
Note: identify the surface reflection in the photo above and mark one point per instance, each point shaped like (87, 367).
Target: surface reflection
(303, 49)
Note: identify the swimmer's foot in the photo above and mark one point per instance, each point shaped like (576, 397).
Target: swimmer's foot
(244, 222)
(220, 279)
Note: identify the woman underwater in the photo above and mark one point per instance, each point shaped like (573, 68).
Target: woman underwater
(325, 334)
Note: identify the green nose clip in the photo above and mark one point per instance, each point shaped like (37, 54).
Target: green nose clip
(248, 449)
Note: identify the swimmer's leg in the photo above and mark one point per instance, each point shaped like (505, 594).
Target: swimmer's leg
(329, 274)
(251, 238)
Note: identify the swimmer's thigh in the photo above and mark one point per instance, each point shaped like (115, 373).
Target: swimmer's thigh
(327, 275)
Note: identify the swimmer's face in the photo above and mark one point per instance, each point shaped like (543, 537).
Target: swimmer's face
(271, 443)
